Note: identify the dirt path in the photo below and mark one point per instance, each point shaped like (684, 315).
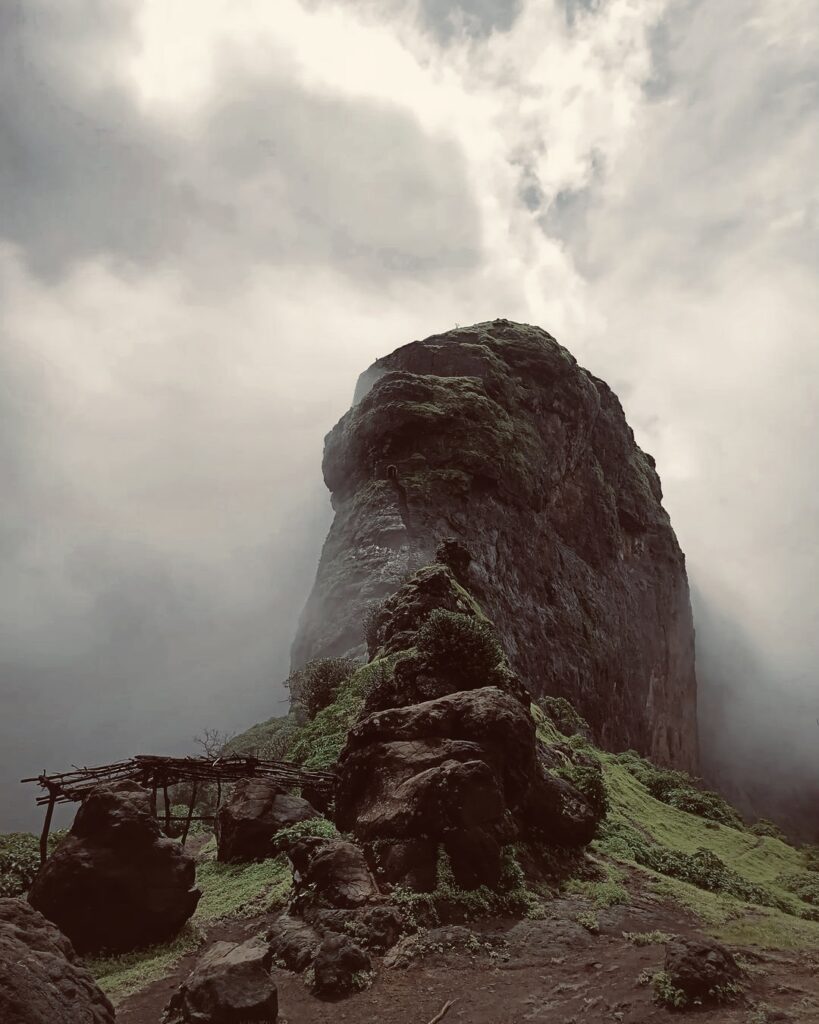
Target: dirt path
(550, 972)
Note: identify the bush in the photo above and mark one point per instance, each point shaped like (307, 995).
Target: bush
(679, 790)
(805, 885)
(20, 860)
(563, 716)
(316, 685)
(767, 829)
(460, 646)
(705, 804)
(588, 778)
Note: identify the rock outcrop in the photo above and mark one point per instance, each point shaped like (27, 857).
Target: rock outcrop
(493, 438)
(115, 883)
(248, 821)
(41, 979)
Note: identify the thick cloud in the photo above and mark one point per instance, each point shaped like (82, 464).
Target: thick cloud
(214, 216)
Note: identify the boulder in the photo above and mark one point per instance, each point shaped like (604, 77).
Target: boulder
(294, 943)
(41, 979)
(231, 984)
(339, 967)
(701, 968)
(331, 873)
(115, 883)
(463, 771)
(248, 821)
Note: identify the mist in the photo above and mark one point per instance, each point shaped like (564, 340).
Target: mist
(214, 219)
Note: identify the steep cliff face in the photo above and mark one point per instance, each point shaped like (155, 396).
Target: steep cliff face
(493, 435)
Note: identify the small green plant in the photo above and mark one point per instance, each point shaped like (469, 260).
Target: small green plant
(460, 646)
(666, 993)
(589, 920)
(321, 828)
(316, 684)
(648, 938)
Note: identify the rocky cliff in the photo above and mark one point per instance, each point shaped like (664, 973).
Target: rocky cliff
(494, 436)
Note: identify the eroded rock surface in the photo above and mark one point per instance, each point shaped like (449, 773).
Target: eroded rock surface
(41, 979)
(116, 882)
(248, 821)
(494, 437)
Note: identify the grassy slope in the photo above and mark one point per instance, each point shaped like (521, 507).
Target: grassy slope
(757, 859)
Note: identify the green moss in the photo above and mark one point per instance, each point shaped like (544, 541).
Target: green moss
(270, 739)
(589, 920)
(607, 893)
(563, 716)
(763, 827)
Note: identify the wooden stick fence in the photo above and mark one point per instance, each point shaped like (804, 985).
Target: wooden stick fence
(156, 772)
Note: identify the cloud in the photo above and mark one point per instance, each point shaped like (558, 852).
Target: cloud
(216, 216)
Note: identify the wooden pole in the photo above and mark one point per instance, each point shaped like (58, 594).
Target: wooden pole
(218, 794)
(190, 812)
(47, 827)
(167, 804)
(153, 798)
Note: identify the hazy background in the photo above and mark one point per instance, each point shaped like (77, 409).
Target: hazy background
(214, 215)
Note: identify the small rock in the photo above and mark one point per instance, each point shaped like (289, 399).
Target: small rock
(339, 967)
(700, 966)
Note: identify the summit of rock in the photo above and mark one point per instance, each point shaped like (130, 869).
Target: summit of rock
(493, 439)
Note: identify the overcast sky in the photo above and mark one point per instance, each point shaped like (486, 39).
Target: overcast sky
(214, 215)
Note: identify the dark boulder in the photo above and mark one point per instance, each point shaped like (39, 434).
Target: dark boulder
(231, 984)
(41, 979)
(248, 821)
(462, 770)
(702, 968)
(116, 883)
(294, 943)
(331, 873)
(339, 968)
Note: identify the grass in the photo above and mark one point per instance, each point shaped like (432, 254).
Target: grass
(763, 861)
(228, 891)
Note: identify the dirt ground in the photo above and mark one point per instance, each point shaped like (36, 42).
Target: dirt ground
(550, 971)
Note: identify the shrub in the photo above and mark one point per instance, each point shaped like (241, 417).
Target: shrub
(679, 790)
(804, 885)
(563, 716)
(588, 778)
(321, 828)
(458, 645)
(705, 804)
(316, 684)
(20, 860)
(767, 829)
